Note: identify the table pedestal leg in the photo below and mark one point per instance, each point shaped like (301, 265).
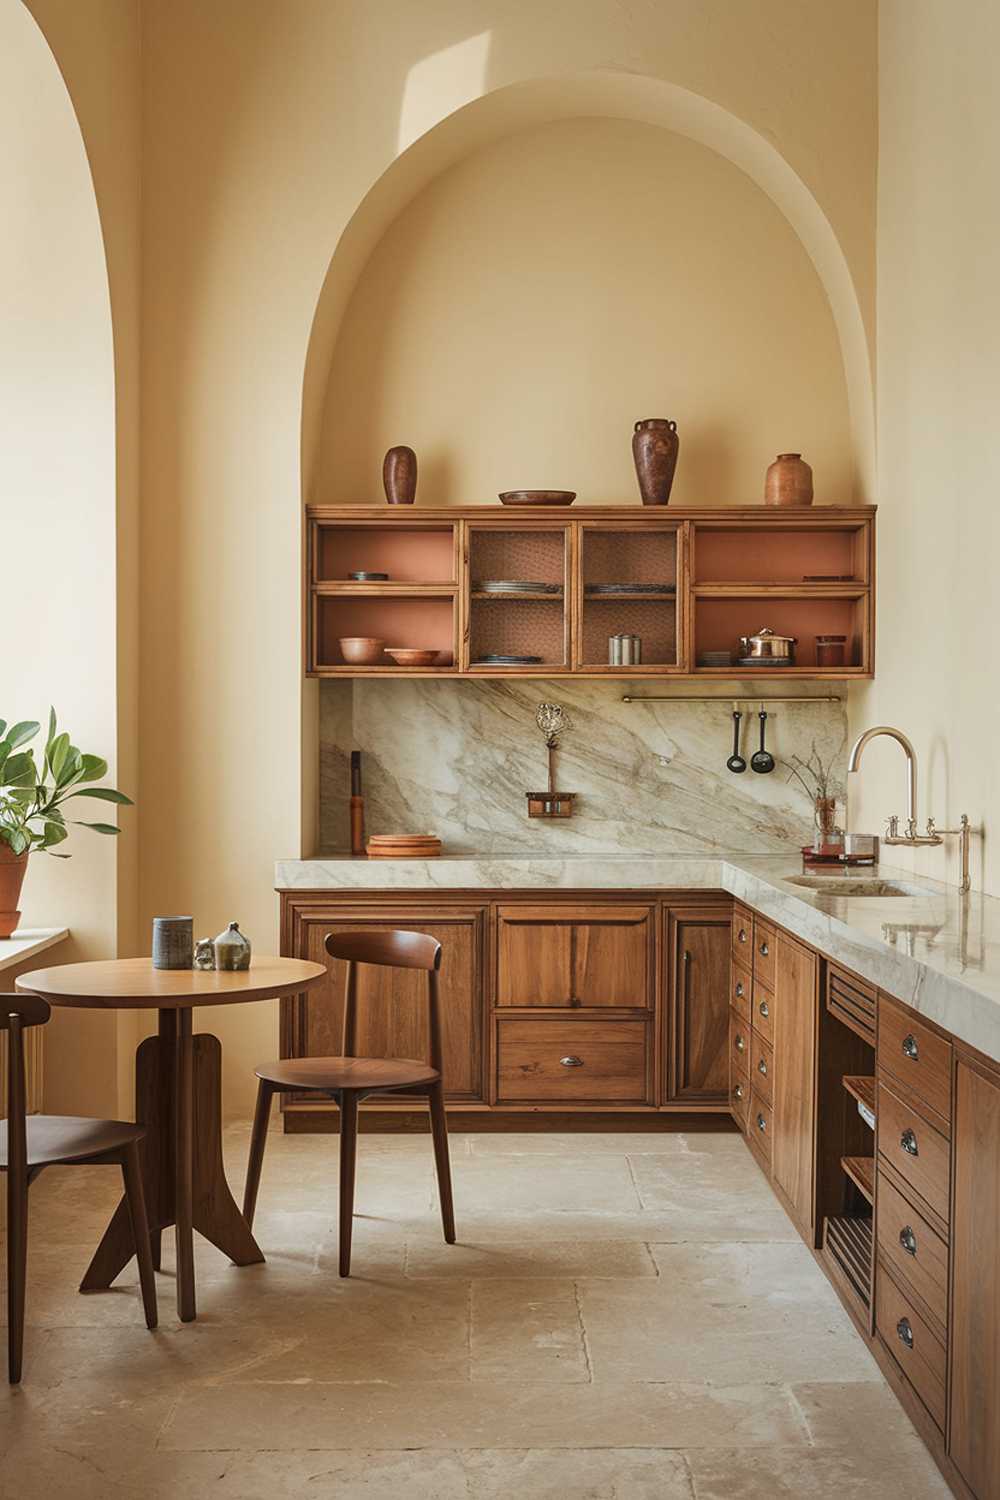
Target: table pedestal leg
(178, 1086)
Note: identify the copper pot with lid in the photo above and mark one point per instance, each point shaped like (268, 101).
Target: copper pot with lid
(767, 646)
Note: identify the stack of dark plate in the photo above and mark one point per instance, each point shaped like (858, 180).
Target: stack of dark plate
(496, 659)
(637, 589)
(513, 586)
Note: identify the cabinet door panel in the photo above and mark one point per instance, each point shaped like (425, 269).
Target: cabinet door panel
(975, 1312)
(794, 1084)
(698, 948)
(392, 1005)
(534, 961)
(574, 956)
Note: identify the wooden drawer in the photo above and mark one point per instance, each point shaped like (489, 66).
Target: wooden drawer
(763, 1012)
(762, 1068)
(918, 1352)
(919, 1153)
(916, 1253)
(852, 1001)
(765, 942)
(572, 1060)
(761, 1127)
(742, 936)
(915, 1055)
(740, 990)
(739, 1044)
(574, 956)
(739, 1100)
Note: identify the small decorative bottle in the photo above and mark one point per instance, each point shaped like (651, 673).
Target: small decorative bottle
(232, 949)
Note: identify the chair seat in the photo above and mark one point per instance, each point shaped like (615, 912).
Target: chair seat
(65, 1138)
(346, 1073)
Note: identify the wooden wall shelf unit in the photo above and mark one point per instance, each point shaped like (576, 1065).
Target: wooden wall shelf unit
(693, 581)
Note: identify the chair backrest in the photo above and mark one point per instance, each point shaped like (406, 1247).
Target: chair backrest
(17, 1012)
(393, 950)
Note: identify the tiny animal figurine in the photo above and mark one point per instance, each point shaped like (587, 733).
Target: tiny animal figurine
(204, 954)
(232, 949)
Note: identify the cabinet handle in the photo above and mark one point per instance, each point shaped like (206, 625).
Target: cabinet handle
(571, 1062)
(764, 950)
(762, 1067)
(740, 1044)
(764, 1009)
(738, 1091)
(575, 1000)
(905, 1332)
(739, 988)
(761, 1123)
(908, 1141)
(910, 1047)
(908, 1239)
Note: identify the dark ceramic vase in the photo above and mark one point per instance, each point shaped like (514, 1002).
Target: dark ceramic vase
(654, 448)
(399, 475)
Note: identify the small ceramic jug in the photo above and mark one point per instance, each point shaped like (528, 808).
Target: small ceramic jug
(232, 949)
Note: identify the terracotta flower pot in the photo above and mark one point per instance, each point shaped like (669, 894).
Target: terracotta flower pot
(12, 870)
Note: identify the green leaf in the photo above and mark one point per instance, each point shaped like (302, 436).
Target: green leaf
(18, 840)
(58, 751)
(55, 855)
(52, 730)
(20, 770)
(93, 768)
(98, 827)
(54, 834)
(73, 768)
(19, 734)
(105, 794)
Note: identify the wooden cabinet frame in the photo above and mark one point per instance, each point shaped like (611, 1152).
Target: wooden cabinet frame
(848, 601)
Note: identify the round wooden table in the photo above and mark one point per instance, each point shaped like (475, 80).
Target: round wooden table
(178, 1097)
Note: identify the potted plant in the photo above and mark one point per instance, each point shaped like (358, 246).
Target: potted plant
(819, 782)
(32, 800)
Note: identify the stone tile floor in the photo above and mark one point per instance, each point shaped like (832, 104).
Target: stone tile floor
(625, 1317)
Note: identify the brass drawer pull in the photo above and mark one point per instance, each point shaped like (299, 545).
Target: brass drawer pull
(908, 1239)
(908, 1141)
(571, 1062)
(910, 1047)
(761, 1123)
(741, 936)
(764, 950)
(738, 1091)
(764, 1009)
(762, 1067)
(905, 1332)
(739, 987)
(740, 1044)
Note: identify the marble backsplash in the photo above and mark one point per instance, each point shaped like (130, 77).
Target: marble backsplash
(456, 758)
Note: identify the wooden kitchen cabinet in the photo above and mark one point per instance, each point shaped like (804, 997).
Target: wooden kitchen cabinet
(793, 1153)
(697, 1010)
(578, 957)
(975, 1315)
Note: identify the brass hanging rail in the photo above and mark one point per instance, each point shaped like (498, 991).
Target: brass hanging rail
(731, 698)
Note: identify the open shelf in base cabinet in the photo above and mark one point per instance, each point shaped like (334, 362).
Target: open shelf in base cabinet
(846, 1161)
(693, 580)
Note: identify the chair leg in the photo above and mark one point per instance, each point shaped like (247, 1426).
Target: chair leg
(136, 1199)
(156, 1246)
(348, 1162)
(258, 1140)
(17, 1268)
(439, 1130)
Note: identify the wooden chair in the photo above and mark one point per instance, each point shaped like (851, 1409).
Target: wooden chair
(350, 1079)
(29, 1143)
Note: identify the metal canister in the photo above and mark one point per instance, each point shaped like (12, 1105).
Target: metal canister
(614, 650)
(636, 649)
(626, 643)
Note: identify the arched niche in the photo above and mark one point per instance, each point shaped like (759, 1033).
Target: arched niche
(599, 94)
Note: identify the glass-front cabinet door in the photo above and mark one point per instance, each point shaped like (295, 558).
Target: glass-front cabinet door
(627, 613)
(516, 614)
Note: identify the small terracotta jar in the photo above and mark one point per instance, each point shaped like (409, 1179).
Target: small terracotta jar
(789, 481)
(830, 650)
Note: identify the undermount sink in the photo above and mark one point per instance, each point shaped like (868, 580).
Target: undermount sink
(854, 885)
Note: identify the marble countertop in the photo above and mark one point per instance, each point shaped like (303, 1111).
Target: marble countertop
(935, 949)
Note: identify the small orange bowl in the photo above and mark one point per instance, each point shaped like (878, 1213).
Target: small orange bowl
(411, 656)
(361, 650)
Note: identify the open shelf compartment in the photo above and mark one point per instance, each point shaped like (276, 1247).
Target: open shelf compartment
(776, 553)
(412, 554)
(423, 622)
(719, 621)
(518, 623)
(628, 556)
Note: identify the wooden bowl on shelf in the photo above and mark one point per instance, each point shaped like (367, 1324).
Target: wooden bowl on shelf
(411, 656)
(537, 497)
(361, 650)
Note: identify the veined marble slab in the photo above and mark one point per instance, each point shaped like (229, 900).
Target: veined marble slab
(938, 952)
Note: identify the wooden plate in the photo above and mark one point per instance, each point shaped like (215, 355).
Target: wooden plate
(537, 497)
(411, 656)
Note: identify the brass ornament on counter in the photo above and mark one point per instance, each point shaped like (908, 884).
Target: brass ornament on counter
(553, 720)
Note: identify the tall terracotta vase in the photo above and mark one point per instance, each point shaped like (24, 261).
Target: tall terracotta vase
(789, 481)
(12, 871)
(399, 476)
(654, 448)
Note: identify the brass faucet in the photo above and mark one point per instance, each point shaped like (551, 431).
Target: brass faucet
(911, 838)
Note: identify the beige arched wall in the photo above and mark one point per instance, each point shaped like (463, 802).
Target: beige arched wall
(58, 483)
(536, 298)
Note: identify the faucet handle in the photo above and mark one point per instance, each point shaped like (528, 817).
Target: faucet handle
(931, 829)
(892, 827)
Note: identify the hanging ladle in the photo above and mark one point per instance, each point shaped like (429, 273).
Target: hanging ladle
(762, 760)
(736, 762)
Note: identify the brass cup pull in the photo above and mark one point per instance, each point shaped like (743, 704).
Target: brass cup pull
(741, 1045)
(905, 1332)
(764, 1008)
(908, 1239)
(739, 987)
(908, 1141)
(741, 936)
(571, 1062)
(762, 1067)
(764, 950)
(910, 1047)
(738, 1091)
(761, 1123)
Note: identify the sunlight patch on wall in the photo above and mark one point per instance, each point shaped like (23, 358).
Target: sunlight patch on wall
(442, 83)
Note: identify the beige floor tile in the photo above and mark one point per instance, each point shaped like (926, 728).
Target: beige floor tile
(865, 1417)
(522, 1185)
(559, 1259)
(587, 1474)
(503, 1227)
(585, 1144)
(906, 1473)
(527, 1330)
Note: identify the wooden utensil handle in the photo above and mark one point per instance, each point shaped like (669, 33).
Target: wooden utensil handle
(357, 825)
